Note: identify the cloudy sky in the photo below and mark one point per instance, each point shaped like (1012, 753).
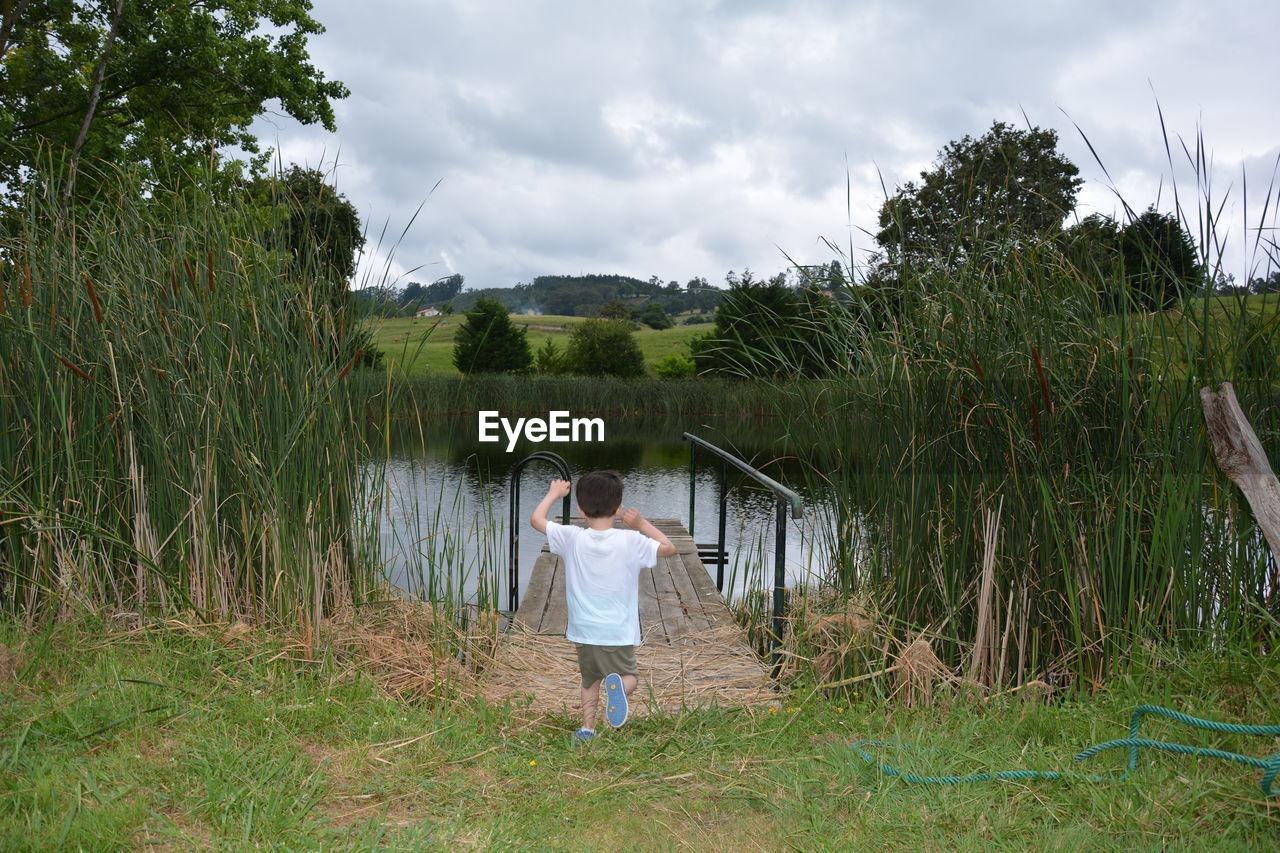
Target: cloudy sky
(691, 138)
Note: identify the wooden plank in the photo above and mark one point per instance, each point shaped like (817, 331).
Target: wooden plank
(690, 600)
(713, 603)
(533, 604)
(556, 617)
(675, 598)
(673, 615)
(652, 628)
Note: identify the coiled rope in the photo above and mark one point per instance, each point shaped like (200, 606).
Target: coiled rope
(1270, 766)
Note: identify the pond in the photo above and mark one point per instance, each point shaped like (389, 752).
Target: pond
(442, 511)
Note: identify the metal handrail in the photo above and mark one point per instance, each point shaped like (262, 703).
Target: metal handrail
(514, 524)
(784, 496)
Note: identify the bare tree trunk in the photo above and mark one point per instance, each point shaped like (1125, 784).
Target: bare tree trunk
(98, 77)
(1242, 459)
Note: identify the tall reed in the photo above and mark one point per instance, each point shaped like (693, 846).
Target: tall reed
(1027, 476)
(178, 427)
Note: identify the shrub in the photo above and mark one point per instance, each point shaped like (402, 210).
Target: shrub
(488, 342)
(604, 348)
(655, 317)
(674, 366)
(549, 360)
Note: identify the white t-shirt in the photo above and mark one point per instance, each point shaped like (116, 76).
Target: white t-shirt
(601, 579)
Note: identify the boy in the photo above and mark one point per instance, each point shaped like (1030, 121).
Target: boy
(601, 573)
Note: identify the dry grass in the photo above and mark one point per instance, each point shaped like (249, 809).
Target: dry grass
(708, 667)
(11, 660)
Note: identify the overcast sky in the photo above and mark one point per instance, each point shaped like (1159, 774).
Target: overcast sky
(691, 138)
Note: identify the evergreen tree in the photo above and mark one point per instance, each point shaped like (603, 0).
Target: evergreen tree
(488, 342)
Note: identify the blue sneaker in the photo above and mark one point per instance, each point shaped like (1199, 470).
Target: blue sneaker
(584, 734)
(615, 700)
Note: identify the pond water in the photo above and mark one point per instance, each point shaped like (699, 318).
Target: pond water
(442, 515)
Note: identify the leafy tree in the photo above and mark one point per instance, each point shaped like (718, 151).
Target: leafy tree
(1160, 260)
(654, 317)
(1007, 185)
(765, 328)
(614, 309)
(312, 221)
(488, 342)
(149, 81)
(1269, 284)
(442, 290)
(600, 347)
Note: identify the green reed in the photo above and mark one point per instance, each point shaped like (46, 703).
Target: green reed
(178, 426)
(1028, 477)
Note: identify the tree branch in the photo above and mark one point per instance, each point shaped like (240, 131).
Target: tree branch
(98, 77)
(10, 11)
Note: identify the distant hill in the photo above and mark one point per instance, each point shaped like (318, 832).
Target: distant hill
(582, 295)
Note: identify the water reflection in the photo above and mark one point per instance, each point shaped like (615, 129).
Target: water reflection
(443, 507)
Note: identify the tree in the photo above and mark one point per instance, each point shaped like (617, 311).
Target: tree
(600, 347)
(654, 317)
(614, 309)
(488, 342)
(1006, 186)
(442, 290)
(548, 360)
(312, 221)
(149, 81)
(1269, 284)
(1160, 260)
(765, 328)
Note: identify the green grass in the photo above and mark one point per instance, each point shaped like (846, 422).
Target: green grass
(177, 740)
(426, 345)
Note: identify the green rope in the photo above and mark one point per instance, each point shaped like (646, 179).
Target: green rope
(1270, 766)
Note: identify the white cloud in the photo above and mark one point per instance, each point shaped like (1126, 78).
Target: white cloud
(691, 138)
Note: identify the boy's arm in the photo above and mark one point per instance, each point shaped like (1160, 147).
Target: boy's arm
(558, 490)
(633, 519)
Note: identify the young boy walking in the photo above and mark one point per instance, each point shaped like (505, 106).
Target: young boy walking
(601, 572)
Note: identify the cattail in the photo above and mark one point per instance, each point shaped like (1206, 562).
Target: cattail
(26, 285)
(977, 368)
(350, 364)
(1044, 385)
(173, 278)
(191, 273)
(76, 370)
(93, 298)
(208, 267)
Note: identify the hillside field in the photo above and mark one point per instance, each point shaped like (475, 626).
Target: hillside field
(418, 345)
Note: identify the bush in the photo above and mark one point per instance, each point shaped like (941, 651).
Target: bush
(655, 317)
(488, 342)
(674, 366)
(548, 360)
(604, 348)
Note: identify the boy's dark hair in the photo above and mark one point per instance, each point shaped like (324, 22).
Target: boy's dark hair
(600, 493)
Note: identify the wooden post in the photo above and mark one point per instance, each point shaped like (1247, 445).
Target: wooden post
(1242, 459)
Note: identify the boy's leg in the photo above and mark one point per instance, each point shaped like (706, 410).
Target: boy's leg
(590, 696)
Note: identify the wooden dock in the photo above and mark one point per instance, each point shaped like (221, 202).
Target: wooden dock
(692, 651)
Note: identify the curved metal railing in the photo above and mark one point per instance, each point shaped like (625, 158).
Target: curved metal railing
(514, 523)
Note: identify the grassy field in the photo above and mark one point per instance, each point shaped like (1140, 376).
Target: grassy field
(181, 738)
(419, 345)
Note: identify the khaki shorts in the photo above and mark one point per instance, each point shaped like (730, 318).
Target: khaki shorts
(595, 662)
